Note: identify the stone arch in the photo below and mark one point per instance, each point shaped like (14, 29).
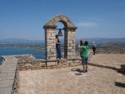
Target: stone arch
(69, 37)
(60, 18)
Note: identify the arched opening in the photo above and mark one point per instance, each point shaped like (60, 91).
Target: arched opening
(68, 38)
(59, 27)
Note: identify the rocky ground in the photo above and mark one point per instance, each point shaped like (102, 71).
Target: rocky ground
(106, 75)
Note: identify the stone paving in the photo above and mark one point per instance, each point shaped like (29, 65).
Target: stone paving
(104, 79)
(7, 74)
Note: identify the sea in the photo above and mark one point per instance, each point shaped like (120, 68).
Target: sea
(38, 54)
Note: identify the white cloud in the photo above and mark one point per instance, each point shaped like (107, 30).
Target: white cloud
(87, 24)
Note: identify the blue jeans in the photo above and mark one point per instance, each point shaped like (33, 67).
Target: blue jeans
(58, 50)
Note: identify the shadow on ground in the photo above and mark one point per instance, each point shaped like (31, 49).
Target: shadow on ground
(79, 72)
(119, 70)
(120, 84)
(76, 69)
(103, 66)
(122, 70)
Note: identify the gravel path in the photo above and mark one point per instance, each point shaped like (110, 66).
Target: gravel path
(102, 78)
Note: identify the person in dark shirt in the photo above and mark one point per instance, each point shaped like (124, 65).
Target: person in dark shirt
(94, 48)
(58, 48)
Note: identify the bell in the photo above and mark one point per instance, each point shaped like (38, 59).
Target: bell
(60, 33)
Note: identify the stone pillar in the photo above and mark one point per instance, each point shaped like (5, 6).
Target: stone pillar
(50, 46)
(65, 43)
(71, 43)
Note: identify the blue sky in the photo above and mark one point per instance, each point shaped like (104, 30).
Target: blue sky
(94, 18)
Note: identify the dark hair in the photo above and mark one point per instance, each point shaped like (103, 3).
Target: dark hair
(81, 42)
(86, 43)
(56, 36)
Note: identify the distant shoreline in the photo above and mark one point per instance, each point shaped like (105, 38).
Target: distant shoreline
(40, 54)
(29, 46)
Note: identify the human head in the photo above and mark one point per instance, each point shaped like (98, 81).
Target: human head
(56, 36)
(81, 42)
(86, 43)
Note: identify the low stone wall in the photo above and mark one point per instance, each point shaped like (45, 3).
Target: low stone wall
(42, 65)
(30, 63)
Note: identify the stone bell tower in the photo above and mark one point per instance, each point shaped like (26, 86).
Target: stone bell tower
(69, 37)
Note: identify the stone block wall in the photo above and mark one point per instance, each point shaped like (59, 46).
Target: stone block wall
(50, 44)
(71, 45)
(69, 37)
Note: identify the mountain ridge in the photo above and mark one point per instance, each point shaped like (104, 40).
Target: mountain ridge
(21, 41)
(90, 40)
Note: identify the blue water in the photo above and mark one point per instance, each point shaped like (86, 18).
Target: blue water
(39, 54)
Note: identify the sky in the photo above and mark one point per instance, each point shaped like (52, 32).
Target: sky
(24, 19)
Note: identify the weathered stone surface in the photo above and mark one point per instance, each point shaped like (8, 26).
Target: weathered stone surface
(62, 18)
(69, 35)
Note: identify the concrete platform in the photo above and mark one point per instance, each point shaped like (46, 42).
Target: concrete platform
(7, 74)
